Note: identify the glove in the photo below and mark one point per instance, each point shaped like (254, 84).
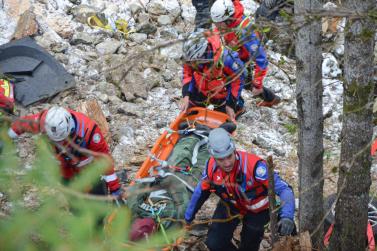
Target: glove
(286, 226)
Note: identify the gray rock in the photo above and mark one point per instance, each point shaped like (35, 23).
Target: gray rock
(138, 37)
(114, 99)
(135, 7)
(62, 58)
(59, 48)
(146, 28)
(82, 38)
(143, 18)
(168, 33)
(134, 86)
(173, 51)
(111, 67)
(77, 2)
(123, 50)
(168, 75)
(122, 153)
(188, 12)
(103, 97)
(109, 46)
(164, 20)
(163, 7)
(152, 78)
(82, 12)
(161, 124)
(129, 97)
(129, 109)
(171, 70)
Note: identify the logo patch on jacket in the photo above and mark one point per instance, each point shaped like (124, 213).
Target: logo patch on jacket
(96, 138)
(235, 66)
(261, 171)
(253, 47)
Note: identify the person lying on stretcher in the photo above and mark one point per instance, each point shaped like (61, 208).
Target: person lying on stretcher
(165, 197)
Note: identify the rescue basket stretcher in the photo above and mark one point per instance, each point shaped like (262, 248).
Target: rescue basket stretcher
(164, 145)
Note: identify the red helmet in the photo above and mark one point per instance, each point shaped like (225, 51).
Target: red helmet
(141, 228)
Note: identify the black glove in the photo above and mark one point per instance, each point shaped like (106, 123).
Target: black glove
(286, 226)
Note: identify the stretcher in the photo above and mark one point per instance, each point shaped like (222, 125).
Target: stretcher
(166, 142)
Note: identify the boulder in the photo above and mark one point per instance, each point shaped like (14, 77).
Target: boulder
(27, 25)
(109, 46)
(82, 38)
(82, 12)
(164, 20)
(138, 37)
(164, 7)
(93, 110)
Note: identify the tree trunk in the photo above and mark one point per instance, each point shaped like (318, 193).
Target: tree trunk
(310, 116)
(355, 161)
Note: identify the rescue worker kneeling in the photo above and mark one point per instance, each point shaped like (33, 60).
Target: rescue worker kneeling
(240, 179)
(212, 75)
(70, 130)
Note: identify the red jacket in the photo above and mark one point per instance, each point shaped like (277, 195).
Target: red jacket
(236, 186)
(245, 187)
(87, 135)
(221, 80)
(247, 43)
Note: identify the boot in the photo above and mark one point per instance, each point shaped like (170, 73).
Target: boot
(271, 103)
(269, 98)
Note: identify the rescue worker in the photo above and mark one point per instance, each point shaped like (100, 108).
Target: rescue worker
(212, 75)
(69, 131)
(236, 29)
(171, 194)
(240, 179)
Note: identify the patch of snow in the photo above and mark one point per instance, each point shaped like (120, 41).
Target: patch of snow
(250, 7)
(330, 66)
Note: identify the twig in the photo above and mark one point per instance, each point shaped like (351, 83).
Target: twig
(271, 198)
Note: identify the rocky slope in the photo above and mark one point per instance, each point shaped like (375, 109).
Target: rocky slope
(142, 103)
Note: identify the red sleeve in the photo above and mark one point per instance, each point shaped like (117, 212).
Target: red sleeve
(187, 74)
(29, 123)
(98, 144)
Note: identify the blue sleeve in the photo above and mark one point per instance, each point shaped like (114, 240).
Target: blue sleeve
(284, 191)
(233, 66)
(198, 198)
(255, 49)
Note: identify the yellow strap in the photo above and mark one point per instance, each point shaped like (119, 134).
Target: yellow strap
(121, 25)
(6, 87)
(94, 21)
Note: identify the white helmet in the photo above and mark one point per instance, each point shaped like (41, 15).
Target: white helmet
(195, 46)
(221, 10)
(58, 123)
